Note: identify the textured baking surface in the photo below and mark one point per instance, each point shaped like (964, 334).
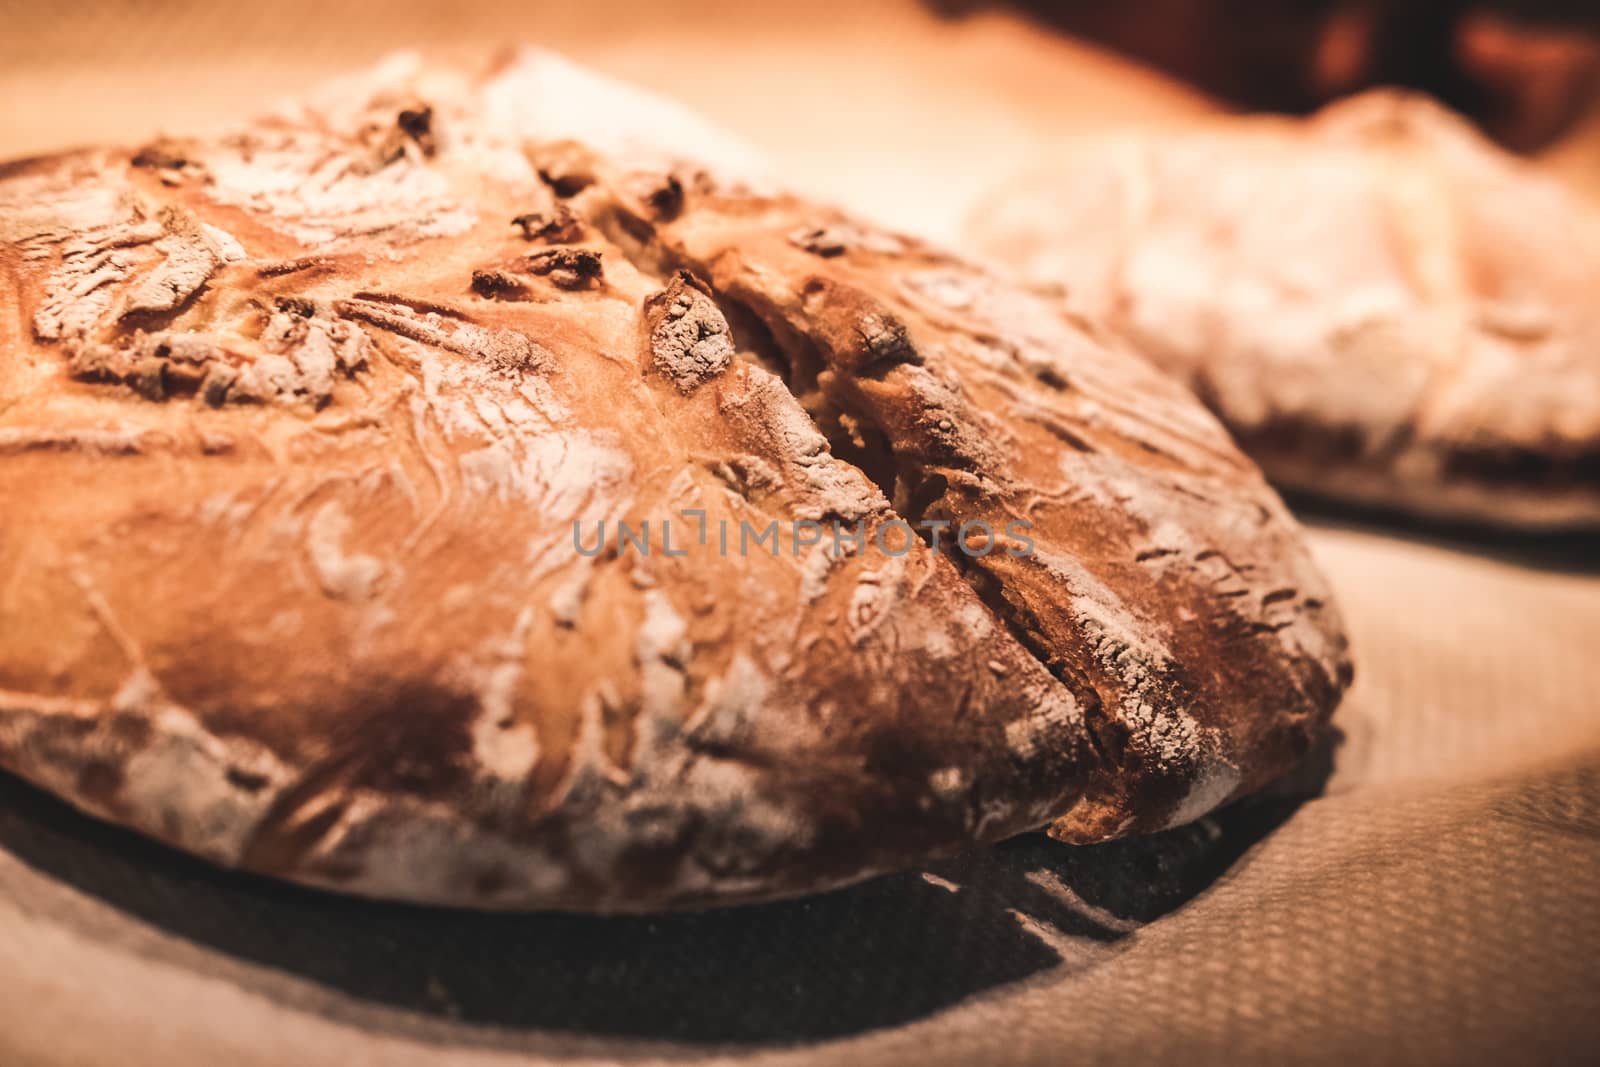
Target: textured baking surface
(1382, 306)
(302, 422)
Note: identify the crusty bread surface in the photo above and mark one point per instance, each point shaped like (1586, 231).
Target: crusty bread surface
(307, 433)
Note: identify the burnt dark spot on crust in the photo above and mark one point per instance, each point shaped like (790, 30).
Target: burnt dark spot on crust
(249, 781)
(417, 124)
(496, 285)
(833, 239)
(163, 154)
(216, 385)
(413, 125)
(824, 241)
(570, 268)
(559, 226)
(149, 378)
(661, 193)
(566, 185)
(1052, 378)
(296, 305)
(667, 199)
(564, 167)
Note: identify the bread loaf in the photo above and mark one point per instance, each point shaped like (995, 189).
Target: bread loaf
(491, 490)
(1382, 306)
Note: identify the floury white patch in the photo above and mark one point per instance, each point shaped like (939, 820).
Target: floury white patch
(895, 537)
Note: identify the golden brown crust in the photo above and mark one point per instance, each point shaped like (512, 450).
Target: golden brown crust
(296, 427)
(1382, 306)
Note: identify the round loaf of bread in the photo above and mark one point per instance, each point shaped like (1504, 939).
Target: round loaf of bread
(1381, 305)
(488, 490)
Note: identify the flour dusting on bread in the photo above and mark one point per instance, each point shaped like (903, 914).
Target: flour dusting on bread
(492, 489)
